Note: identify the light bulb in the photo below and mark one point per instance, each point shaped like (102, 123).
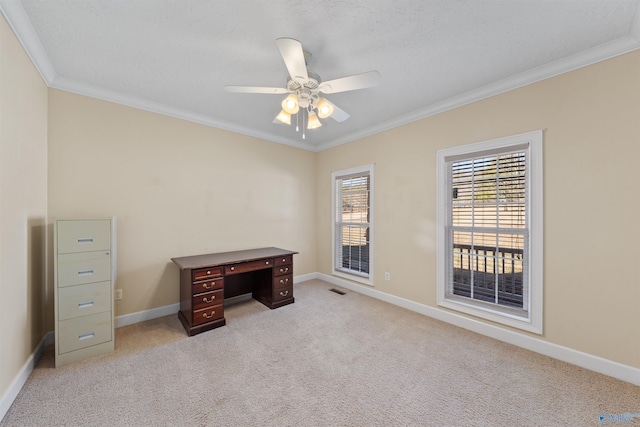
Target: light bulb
(325, 108)
(290, 104)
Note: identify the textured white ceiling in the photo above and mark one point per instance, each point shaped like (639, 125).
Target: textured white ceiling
(176, 56)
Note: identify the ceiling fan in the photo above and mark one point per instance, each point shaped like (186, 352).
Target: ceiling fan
(304, 88)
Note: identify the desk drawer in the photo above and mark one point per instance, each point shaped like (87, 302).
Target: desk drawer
(208, 285)
(208, 314)
(201, 301)
(282, 281)
(84, 331)
(283, 260)
(206, 273)
(248, 266)
(283, 293)
(282, 270)
(82, 300)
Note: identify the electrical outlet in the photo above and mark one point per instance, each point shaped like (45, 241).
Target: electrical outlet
(387, 275)
(118, 294)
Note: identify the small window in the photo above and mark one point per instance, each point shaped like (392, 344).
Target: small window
(490, 230)
(353, 223)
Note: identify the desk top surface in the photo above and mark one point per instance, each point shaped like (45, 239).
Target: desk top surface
(211, 260)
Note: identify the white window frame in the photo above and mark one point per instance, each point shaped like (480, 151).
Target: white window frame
(364, 278)
(532, 319)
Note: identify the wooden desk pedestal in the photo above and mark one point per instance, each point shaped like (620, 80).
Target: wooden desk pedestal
(206, 280)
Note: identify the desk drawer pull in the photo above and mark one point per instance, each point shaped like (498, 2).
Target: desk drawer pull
(284, 281)
(209, 300)
(284, 270)
(208, 316)
(284, 294)
(266, 262)
(233, 268)
(208, 286)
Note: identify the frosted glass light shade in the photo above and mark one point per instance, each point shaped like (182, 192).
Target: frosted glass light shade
(313, 122)
(325, 108)
(290, 104)
(284, 117)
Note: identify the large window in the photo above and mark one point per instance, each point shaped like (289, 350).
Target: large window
(490, 230)
(353, 223)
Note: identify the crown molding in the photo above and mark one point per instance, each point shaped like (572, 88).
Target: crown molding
(24, 31)
(582, 59)
(97, 92)
(20, 24)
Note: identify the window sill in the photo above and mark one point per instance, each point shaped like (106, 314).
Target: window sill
(368, 280)
(478, 310)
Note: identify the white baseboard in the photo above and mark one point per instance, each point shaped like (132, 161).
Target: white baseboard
(7, 400)
(141, 316)
(167, 310)
(566, 354)
(584, 360)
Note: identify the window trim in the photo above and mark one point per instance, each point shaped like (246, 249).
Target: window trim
(533, 322)
(366, 279)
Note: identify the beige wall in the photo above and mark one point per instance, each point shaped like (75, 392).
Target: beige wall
(176, 188)
(23, 204)
(591, 122)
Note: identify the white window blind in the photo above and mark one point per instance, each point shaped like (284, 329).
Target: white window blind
(489, 230)
(353, 222)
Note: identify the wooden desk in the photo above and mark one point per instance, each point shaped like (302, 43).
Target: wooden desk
(206, 280)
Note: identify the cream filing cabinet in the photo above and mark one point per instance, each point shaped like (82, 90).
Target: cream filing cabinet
(84, 275)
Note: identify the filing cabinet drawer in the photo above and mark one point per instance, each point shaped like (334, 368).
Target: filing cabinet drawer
(83, 235)
(283, 260)
(82, 300)
(282, 281)
(208, 285)
(208, 314)
(283, 270)
(205, 300)
(248, 266)
(283, 293)
(206, 273)
(84, 331)
(83, 267)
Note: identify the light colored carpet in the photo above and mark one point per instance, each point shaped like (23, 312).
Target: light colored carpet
(326, 360)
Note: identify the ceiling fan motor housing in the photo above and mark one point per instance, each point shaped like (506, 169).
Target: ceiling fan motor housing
(307, 92)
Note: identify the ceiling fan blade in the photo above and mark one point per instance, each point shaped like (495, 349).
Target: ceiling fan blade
(293, 55)
(339, 115)
(256, 89)
(359, 81)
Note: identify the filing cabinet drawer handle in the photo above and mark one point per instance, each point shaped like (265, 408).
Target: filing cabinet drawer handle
(209, 300)
(87, 272)
(284, 270)
(85, 304)
(284, 281)
(86, 336)
(284, 294)
(208, 316)
(85, 240)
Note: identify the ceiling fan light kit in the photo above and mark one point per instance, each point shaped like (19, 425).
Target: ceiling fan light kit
(304, 88)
